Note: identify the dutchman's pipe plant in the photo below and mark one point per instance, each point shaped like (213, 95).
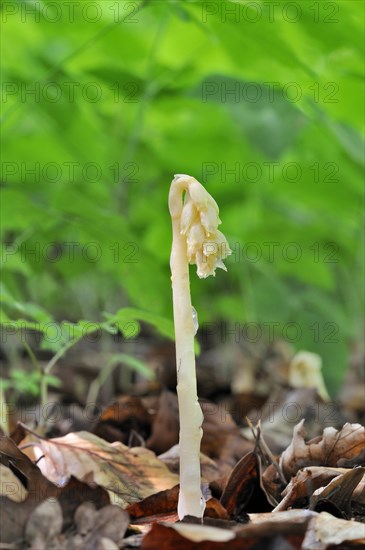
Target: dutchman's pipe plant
(196, 240)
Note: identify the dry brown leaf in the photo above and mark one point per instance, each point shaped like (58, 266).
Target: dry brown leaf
(272, 485)
(325, 531)
(127, 415)
(84, 518)
(165, 429)
(336, 496)
(37, 485)
(198, 533)
(96, 529)
(11, 486)
(161, 503)
(337, 486)
(334, 448)
(288, 528)
(320, 530)
(359, 493)
(162, 507)
(75, 493)
(185, 536)
(300, 517)
(128, 475)
(209, 470)
(304, 483)
(110, 522)
(222, 440)
(15, 514)
(282, 411)
(44, 525)
(240, 485)
(267, 532)
(215, 510)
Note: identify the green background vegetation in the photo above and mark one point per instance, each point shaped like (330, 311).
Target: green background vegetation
(134, 92)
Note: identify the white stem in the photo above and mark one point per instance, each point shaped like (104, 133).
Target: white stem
(191, 501)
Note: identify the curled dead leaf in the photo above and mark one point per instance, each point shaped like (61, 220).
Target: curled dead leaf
(240, 485)
(337, 494)
(331, 449)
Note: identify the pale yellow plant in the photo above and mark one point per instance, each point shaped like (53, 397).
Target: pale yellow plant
(196, 240)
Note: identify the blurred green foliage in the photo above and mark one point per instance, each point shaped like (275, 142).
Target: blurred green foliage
(260, 101)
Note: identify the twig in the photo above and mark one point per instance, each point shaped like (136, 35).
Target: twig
(266, 452)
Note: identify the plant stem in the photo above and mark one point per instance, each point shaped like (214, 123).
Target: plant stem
(191, 501)
(44, 383)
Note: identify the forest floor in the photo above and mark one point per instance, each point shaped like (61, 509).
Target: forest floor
(97, 467)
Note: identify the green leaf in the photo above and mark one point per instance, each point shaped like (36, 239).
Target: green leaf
(133, 363)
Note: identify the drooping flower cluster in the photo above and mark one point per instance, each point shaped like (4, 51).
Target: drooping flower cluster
(206, 245)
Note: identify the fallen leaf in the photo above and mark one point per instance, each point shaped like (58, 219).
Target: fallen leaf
(359, 493)
(291, 530)
(11, 486)
(272, 485)
(163, 502)
(303, 485)
(284, 531)
(28, 473)
(110, 522)
(103, 543)
(128, 475)
(333, 448)
(120, 420)
(165, 429)
(162, 506)
(209, 470)
(215, 510)
(76, 493)
(337, 494)
(352, 395)
(325, 531)
(84, 518)
(240, 485)
(184, 536)
(285, 408)
(44, 525)
(15, 514)
(298, 517)
(222, 440)
(199, 533)
(288, 528)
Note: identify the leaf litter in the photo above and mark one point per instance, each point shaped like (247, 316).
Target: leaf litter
(114, 484)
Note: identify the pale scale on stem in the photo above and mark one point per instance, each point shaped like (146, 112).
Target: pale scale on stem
(196, 240)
